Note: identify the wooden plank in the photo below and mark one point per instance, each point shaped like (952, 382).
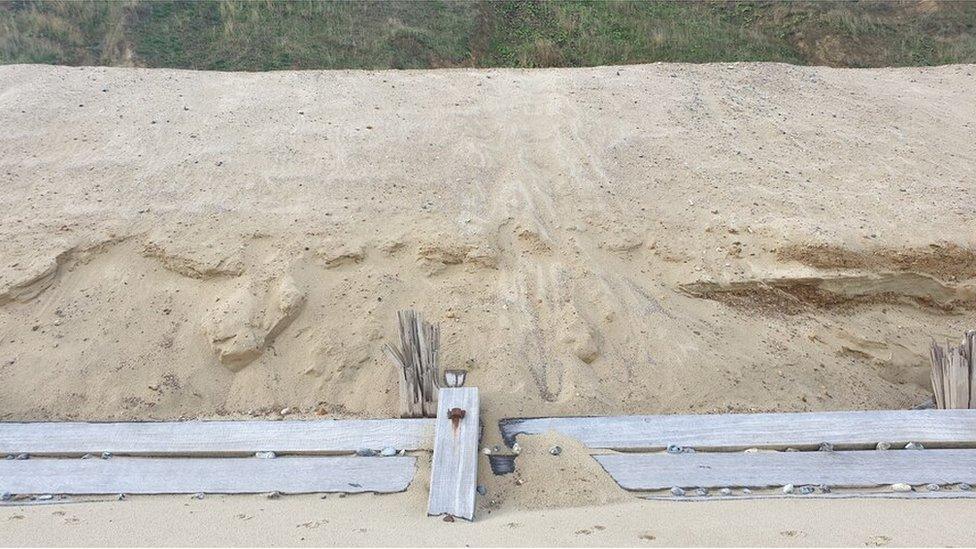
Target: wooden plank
(209, 475)
(226, 438)
(454, 471)
(843, 495)
(734, 469)
(932, 428)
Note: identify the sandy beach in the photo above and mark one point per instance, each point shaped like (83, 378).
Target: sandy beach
(666, 238)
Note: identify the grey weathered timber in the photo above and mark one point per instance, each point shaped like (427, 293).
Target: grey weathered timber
(846, 495)
(454, 471)
(227, 438)
(932, 428)
(734, 469)
(209, 475)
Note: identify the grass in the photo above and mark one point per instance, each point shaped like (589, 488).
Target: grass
(274, 35)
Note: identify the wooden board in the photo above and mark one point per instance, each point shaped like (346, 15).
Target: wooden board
(735, 469)
(845, 495)
(932, 428)
(208, 475)
(217, 438)
(454, 471)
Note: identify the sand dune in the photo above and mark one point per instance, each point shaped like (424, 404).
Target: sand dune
(659, 238)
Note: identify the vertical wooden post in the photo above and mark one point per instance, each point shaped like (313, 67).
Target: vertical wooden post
(454, 472)
(416, 363)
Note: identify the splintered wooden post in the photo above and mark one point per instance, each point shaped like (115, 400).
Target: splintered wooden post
(454, 472)
(416, 364)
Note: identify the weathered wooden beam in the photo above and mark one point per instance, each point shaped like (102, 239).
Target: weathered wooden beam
(454, 471)
(217, 438)
(933, 428)
(843, 469)
(208, 475)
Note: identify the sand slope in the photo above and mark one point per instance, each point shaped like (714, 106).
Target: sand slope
(660, 238)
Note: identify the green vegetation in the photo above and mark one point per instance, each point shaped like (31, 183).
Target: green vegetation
(272, 35)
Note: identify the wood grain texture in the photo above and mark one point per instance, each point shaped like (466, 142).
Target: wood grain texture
(735, 469)
(454, 471)
(933, 428)
(209, 475)
(228, 438)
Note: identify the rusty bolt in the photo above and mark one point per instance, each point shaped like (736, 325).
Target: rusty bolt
(455, 415)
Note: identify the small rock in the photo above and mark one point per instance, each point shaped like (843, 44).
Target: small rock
(87, 456)
(674, 449)
(555, 450)
(964, 487)
(677, 492)
(687, 450)
(106, 455)
(746, 491)
(516, 449)
(365, 452)
(496, 448)
(901, 487)
(273, 495)
(752, 450)
(198, 495)
(285, 411)
(789, 489)
(701, 491)
(6, 496)
(883, 446)
(22, 456)
(933, 487)
(45, 497)
(448, 518)
(486, 451)
(9, 456)
(824, 489)
(120, 497)
(481, 489)
(265, 455)
(826, 447)
(519, 481)
(805, 490)
(792, 450)
(389, 451)
(914, 446)
(725, 491)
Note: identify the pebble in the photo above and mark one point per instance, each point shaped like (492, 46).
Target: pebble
(555, 450)
(806, 490)
(687, 450)
(516, 449)
(674, 449)
(789, 489)
(883, 446)
(901, 487)
(6, 496)
(826, 447)
(9, 456)
(389, 451)
(285, 411)
(965, 487)
(22, 456)
(45, 497)
(448, 518)
(791, 450)
(486, 451)
(106, 455)
(87, 456)
(198, 495)
(824, 489)
(120, 497)
(677, 492)
(746, 491)
(914, 446)
(933, 487)
(481, 489)
(365, 452)
(265, 455)
(752, 450)
(701, 491)
(273, 495)
(725, 491)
